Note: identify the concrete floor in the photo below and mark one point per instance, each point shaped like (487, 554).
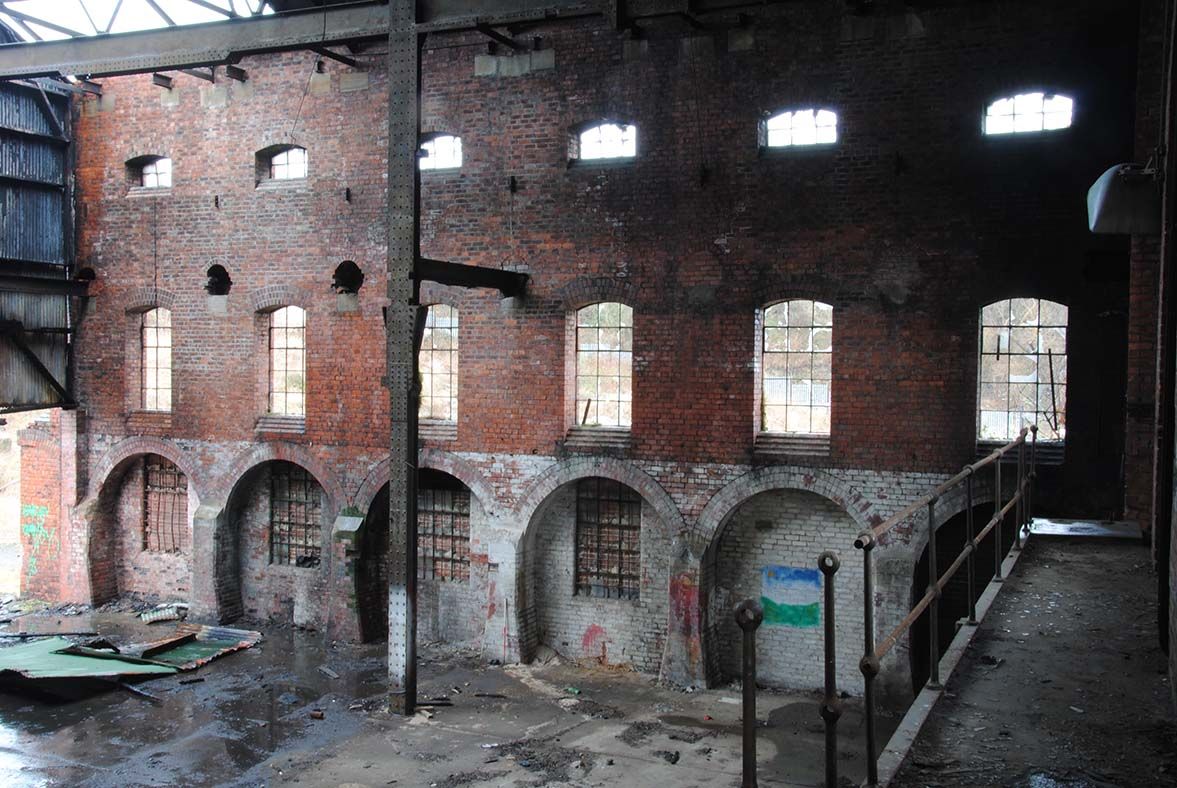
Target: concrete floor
(250, 722)
(1064, 685)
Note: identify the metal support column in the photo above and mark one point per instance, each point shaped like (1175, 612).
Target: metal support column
(934, 607)
(748, 616)
(404, 81)
(971, 532)
(831, 707)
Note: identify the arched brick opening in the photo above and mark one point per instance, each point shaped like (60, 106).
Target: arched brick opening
(139, 519)
(272, 546)
(451, 576)
(585, 622)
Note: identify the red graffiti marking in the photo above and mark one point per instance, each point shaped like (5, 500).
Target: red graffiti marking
(594, 633)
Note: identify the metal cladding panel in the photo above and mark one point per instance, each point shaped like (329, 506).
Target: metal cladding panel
(21, 109)
(29, 158)
(22, 385)
(31, 226)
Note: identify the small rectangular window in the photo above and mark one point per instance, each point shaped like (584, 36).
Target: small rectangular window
(608, 539)
(295, 513)
(443, 534)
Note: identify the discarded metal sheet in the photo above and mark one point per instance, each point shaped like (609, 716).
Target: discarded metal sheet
(193, 645)
(56, 658)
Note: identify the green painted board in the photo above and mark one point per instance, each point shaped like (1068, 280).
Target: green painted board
(44, 659)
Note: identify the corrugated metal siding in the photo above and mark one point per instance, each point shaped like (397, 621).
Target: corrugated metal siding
(33, 228)
(30, 158)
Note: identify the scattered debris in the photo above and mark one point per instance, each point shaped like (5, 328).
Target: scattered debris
(328, 672)
(60, 668)
(25, 635)
(495, 695)
(196, 680)
(317, 714)
(167, 612)
(572, 690)
(668, 756)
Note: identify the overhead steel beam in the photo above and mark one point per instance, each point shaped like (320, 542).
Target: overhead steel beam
(195, 46)
(510, 283)
(36, 284)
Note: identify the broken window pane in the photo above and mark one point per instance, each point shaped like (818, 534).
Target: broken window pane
(165, 506)
(608, 539)
(796, 367)
(443, 533)
(295, 514)
(1023, 342)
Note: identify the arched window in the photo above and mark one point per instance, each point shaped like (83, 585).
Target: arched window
(1027, 113)
(165, 506)
(608, 539)
(281, 163)
(438, 364)
(606, 141)
(1023, 369)
(796, 367)
(800, 127)
(156, 342)
(288, 361)
(604, 365)
(442, 152)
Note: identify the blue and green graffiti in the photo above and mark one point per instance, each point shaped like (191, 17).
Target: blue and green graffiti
(32, 525)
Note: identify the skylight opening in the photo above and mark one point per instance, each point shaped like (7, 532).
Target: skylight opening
(54, 20)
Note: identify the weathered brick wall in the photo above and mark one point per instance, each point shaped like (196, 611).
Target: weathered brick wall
(165, 576)
(788, 528)
(613, 631)
(40, 511)
(907, 226)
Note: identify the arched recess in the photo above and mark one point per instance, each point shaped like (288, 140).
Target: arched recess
(627, 628)
(271, 547)
(438, 460)
(125, 555)
(692, 656)
(451, 573)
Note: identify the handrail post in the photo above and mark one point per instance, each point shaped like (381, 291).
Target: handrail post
(1033, 475)
(1020, 508)
(1000, 519)
(972, 548)
(869, 665)
(831, 707)
(934, 607)
(749, 614)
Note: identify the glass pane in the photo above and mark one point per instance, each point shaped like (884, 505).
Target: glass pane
(777, 315)
(823, 314)
(800, 313)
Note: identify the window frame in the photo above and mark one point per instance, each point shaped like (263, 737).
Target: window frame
(171, 486)
(623, 584)
(624, 361)
(1027, 134)
(576, 157)
(431, 139)
(151, 372)
(272, 367)
(264, 163)
(454, 354)
(763, 327)
(764, 132)
(987, 334)
(443, 505)
(287, 550)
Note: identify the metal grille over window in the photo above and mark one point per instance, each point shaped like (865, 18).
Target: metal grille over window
(438, 364)
(1027, 113)
(443, 152)
(288, 361)
(801, 127)
(157, 174)
(609, 141)
(165, 506)
(1023, 378)
(157, 359)
(289, 164)
(608, 539)
(604, 365)
(443, 534)
(295, 513)
(798, 351)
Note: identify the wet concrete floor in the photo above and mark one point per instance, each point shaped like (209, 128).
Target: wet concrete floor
(252, 720)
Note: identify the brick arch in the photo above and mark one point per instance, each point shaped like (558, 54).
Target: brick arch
(717, 512)
(141, 299)
(804, 287)
(622, 471)
(285, 452)
(438, 460)
(950, 505)
(139, 445)
(271, 297)
(585, 290)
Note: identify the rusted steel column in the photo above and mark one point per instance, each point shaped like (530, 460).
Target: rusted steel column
(997, 528)
(934, 607)
(1018, 509)
(748, 616)
(869, 665)
(971, 571)
(831, 707)
(1033, 474)
(402, 328)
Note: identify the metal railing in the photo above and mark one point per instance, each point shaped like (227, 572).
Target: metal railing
(1021, 503)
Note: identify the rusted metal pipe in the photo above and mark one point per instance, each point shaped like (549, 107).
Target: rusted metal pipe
(934, 607)
(997, 531)
(831, 707)
(869, 665)
(1018, 519)
(1033, 475)
(748, 617)
(972, 569)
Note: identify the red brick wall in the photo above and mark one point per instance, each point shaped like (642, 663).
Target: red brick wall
(40, 511)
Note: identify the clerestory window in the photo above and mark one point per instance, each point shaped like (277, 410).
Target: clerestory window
(1028, 113)
(799, 128)
(606, 141)
(156, 173)
(441, 152)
